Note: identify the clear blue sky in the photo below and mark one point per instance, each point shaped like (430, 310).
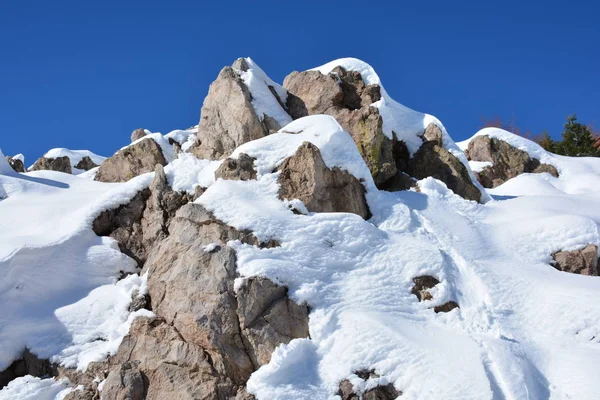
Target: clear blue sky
(83, 75)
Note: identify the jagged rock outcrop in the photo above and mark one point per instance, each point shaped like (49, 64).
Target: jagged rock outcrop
(380, 392)
(584, 261)
(422, 286)
(228, 118)
(60, 164)
(15, 164)
(86, 164)
(27, 364)
(507, 161)
(239, 169)
(145, 220)
(306, 177)
(138, 134)
(344, 95)
(131, 161)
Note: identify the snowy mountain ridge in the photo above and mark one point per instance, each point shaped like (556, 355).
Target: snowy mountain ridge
(311, 240)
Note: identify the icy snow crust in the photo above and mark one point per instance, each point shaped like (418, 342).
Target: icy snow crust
(523, 331)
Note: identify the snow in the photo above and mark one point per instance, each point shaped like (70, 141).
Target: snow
(263, 101)
(32, 388)
(5, 167)
(19, 157)
(522, 330)
(75, 157)
(187, 172)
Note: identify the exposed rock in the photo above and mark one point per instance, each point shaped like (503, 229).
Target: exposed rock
(507, 161)
(145, 220)
(387, 392)
(239, 169)
(138, 134)
(305, 176)
(125, 382)
(268, 318)
(15, 164)
(343, 95)
(28, 364)
(366, 374)
(346, 391)
(584, 261)
(192, 289)
(433, 160)
(138, 301)
(60, 164)
(131, 161)
(446, 307)
(422, 286)
(228, 118)
(86, 164)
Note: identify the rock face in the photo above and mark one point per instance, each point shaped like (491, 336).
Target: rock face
(28, 364)
(131, 161)
(422, 286)
(124, 383)
(343, 95)
(228, 118)
(145, 220)
(207, 339)
(240, 169)
(86, 164)
(60, 164)
(507, 161)
(584, 261)
(380, 392)
(15, 164)
(305, 176)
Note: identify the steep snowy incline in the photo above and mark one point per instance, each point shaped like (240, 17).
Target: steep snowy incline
(521, 324)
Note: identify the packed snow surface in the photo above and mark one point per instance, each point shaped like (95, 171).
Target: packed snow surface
(523, 330)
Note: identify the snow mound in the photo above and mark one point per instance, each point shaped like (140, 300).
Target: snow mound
(5, 168)
(32, 388)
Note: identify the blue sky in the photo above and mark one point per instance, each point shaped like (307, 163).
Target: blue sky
(83, 75)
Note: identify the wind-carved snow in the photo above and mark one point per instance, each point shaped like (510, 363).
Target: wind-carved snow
(523, 329)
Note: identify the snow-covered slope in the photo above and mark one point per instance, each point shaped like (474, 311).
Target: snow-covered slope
(523, 330)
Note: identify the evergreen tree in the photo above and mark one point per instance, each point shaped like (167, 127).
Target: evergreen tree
(546, 142)
(577, 140)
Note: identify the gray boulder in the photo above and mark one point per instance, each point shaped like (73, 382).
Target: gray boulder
(60, 164)
(305, 176)
(584, 261)
(131, 161)
(239, 169)
(507, 161)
